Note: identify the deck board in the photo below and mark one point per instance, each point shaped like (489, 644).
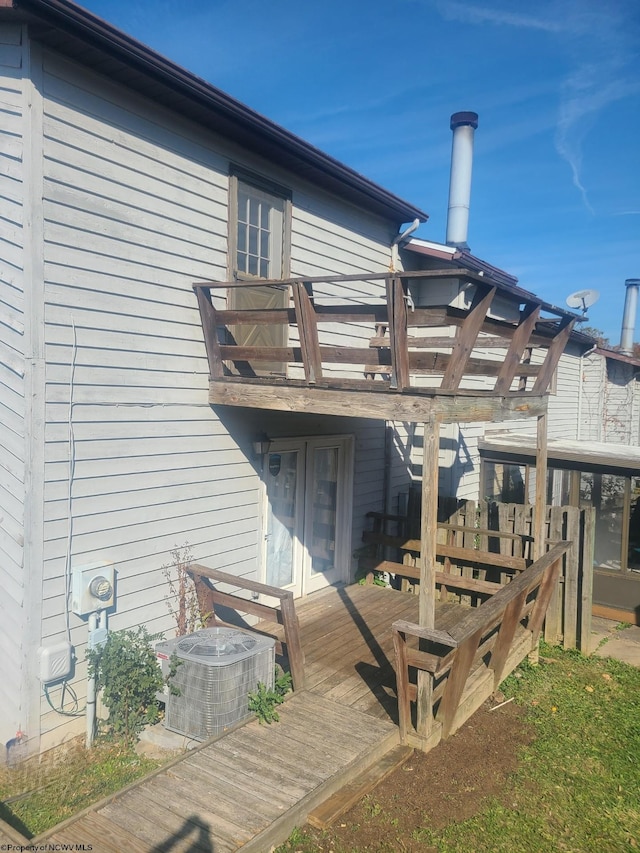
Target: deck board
(247, 769)
(251, 787)
(135, 816)
(212, 799)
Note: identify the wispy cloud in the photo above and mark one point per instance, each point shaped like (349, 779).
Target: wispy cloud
(485, 15)
(599, 41)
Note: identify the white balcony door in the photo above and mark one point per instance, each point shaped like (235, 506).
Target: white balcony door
(308, 491)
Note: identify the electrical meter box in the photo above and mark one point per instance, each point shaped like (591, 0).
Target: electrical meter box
(92, 588)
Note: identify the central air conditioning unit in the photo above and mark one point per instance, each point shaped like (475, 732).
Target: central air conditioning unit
(218, 668)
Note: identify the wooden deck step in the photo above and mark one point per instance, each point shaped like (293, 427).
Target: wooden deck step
(326, 813)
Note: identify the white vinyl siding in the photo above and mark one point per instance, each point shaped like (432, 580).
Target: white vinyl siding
(13, 605)
(134, 213)
(563, 403)
(135, 209)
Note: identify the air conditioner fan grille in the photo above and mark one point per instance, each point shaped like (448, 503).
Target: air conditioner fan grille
(220, 646)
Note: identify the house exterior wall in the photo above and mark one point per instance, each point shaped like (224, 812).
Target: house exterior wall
(13, 405)
(564, 401)
(592, 395)
(609, 401)
(136, 463)
(620, 421)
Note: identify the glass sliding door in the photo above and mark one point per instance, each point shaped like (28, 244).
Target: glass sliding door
(323, 528)
(283, 478)
(308, 486)
(606, 493)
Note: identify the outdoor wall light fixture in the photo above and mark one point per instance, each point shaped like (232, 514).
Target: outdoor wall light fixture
(261, 445)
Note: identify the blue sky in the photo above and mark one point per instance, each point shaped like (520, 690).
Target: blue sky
(556, 182)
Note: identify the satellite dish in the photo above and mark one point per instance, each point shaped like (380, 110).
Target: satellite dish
(583, 299)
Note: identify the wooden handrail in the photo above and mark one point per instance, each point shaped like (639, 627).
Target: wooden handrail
(492, 608)
(445, 525)
(489, 629)
(283, 614)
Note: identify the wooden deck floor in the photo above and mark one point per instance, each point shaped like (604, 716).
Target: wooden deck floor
(348, 646)
(252, 786)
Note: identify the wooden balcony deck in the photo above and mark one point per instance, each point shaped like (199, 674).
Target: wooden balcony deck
(357, 344)
(249, 788)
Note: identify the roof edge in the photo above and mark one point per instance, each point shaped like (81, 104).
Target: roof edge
(81, 24)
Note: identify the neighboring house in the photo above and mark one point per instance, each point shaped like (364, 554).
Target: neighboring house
(594, 460)
(594, 444)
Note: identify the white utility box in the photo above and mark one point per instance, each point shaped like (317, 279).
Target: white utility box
(55, 661)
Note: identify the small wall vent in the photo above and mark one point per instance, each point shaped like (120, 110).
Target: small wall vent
(218, 669)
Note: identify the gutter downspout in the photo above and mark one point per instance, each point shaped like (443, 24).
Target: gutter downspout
(401, 238)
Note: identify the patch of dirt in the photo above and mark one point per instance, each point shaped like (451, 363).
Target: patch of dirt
(446, 785)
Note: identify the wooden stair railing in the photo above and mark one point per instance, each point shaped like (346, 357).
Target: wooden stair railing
(489, 629)
(283, 613)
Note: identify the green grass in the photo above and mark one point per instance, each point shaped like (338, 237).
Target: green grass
(577, 788)
(36, 796)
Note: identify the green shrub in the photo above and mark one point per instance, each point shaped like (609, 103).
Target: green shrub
(127, 672)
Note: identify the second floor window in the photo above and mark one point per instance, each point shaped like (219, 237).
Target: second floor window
(260, 227)
(258, 250)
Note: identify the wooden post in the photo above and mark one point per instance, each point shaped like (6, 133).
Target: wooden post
(212, 346)
(397, 313)
(540, 507)
(428, 537)
(541, 489)
(308, 332)
(402, 684)
(517, 348)
(586, 570)
(292, 639)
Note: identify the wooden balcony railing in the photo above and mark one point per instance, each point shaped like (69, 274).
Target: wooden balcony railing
(388, 344)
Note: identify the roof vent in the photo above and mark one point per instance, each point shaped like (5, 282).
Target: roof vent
(463, 126)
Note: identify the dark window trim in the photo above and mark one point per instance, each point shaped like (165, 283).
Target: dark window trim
(566, 465)
(528, 461)
(253, 179)
(260, 182)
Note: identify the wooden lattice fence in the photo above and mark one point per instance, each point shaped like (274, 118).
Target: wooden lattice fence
(568, 618)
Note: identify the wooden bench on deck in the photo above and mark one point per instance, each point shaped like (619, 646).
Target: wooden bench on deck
(477, 562)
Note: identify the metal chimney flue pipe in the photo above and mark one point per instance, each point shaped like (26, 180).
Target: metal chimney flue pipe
(463, 126)
(629, 315)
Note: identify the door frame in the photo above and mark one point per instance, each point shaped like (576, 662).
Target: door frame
(302, 583)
